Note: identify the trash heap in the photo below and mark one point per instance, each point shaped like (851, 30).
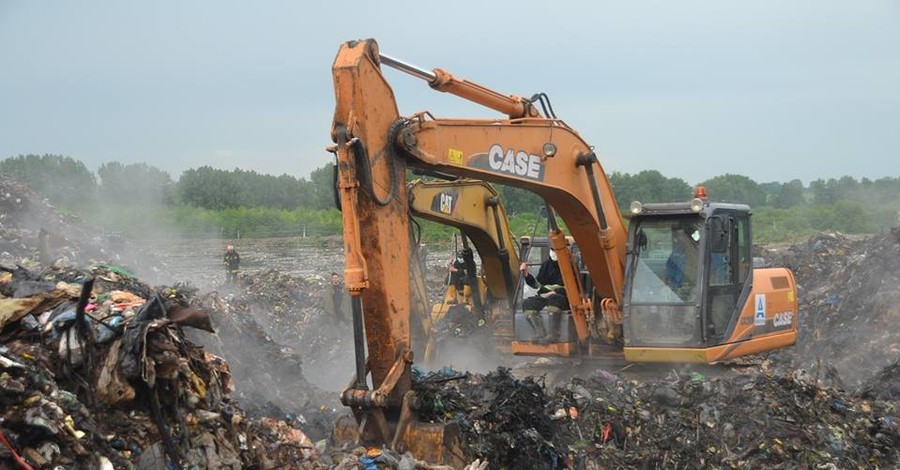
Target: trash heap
(288, 312)
(34, 234)
(502, 418)
(106, 378)
(849, 306)
(764, 418)
(255, 327)
(22, 215)
(291, 308)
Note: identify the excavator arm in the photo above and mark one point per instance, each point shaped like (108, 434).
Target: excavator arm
(375, 145)
(373, 198)
(541, 155)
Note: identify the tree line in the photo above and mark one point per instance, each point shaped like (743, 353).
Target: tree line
(64, 180)
(231, 202)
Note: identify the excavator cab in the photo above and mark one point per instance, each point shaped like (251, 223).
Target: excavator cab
(691, 293)
(536, 250)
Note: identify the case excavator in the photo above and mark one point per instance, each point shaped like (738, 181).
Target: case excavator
(677, 285)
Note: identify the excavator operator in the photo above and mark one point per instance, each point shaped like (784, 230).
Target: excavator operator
(550, 298)
(458, 291)
(680, 274)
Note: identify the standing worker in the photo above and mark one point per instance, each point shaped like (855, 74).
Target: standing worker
(232, 262)
(457, 290)
(334, 303)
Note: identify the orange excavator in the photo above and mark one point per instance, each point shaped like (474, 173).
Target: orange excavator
(677, 286)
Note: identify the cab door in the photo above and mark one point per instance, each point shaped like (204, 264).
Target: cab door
(726, 272)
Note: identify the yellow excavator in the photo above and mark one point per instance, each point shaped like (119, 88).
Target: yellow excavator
(677, 285)
(474, 207)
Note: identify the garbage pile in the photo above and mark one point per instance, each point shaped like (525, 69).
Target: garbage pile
(284, 303)
(96, 372)
(34, 234)
(764, 418)
(502, 419)
(288, 312)
(255, 329)
(849, 306)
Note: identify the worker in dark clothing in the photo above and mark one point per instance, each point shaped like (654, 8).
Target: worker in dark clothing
(334, 302)
(550, 298)
(232, 262)
(457, 290)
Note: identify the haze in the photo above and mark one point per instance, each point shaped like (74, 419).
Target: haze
(771, 90)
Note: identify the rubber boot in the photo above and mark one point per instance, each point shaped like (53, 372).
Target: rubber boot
(555, 319)
(534, 319)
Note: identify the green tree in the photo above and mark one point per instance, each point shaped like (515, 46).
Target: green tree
(648, 186)
(208, 188)
(789, 195)
(736, 189)
(216, 189)
(322, 187)
(63, 180)
(771, 189)
(847, 188)
(883, 191)
(518, 200)
(134, 183)
(824, 192)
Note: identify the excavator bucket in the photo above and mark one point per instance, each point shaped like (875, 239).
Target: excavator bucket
(432, 442)
(435, 442)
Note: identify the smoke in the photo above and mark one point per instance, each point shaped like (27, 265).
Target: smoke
(478, 353)
(37, 234)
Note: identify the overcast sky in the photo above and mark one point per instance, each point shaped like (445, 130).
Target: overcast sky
(774, 90)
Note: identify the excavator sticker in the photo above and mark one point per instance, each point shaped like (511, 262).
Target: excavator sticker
(783, 319)
(455, 156)
(509, 161)
(760, 318)
(444, 202)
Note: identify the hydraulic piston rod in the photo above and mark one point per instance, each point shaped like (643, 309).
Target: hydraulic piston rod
(513, 106)
(408, 68)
